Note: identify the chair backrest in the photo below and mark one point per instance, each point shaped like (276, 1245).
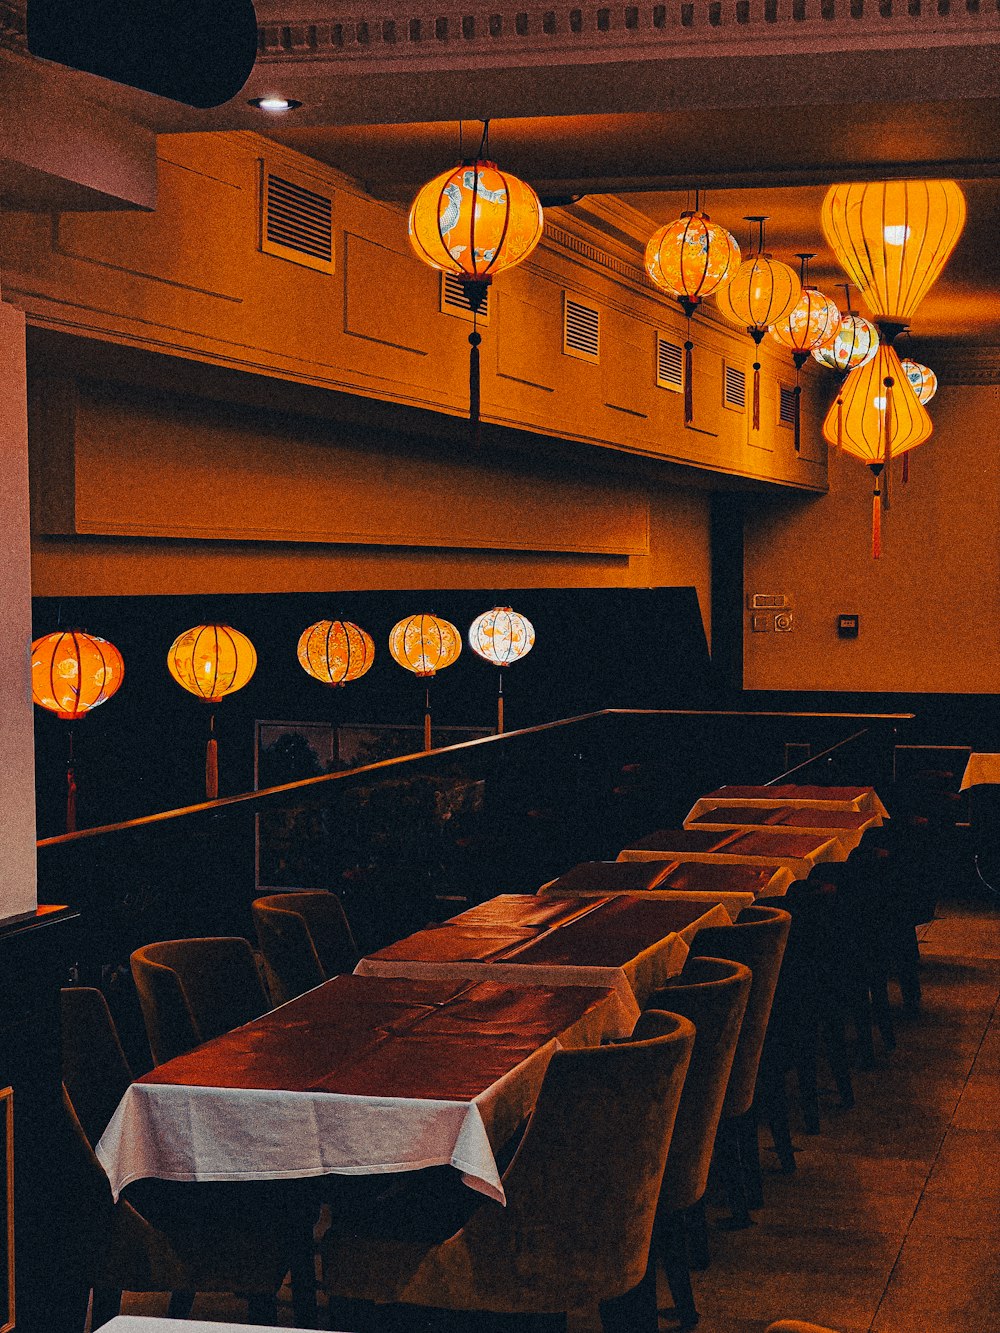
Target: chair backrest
(583, 1187)
(193, 990)
(713, 994)
(305, 938)
(757, 939)
(95, 1070)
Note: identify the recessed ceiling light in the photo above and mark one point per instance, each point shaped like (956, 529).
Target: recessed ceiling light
(274, 103)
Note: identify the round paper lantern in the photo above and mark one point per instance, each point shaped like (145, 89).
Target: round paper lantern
(877, 417)
(812, 322)
(763, 292)
(501, 636)
(922, 378)
(855, 343)
(73, 672)
(211, 661)
(691, 257)
(893, 239)
(424, 644)
(335, 651)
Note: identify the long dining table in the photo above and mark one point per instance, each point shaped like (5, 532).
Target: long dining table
(361, 1075)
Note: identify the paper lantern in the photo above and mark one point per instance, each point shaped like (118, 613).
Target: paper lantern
(855, 343)
(922, 378)
(73, 673)
(762, 292)
(211, 661)
(474, 221)
(880, 418)
(335, 651)
(690, 258)
(501, 636)
(812, 322)
(425, 644)
(893, 238)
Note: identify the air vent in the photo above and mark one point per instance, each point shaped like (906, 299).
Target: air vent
(786, 406)
(581, 330)
(735, 391)
(669, 365)
(296, 221)
(455, 300)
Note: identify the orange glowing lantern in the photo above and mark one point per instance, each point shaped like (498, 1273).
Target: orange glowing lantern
(474, 221)
(211, 661)
(881, 418)
(763, 292)
(812, 322)
(501, 636)
(893, 239)
(690, 258)
(73, 673)
(336, 651)
(425, 644)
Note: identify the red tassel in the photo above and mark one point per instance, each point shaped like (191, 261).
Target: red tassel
(888, 439)
(688, 383)
(475, 338)
(906, 468)
(876, 525)
(212, 770)
(840, 422)
(798, 417)
(70, 800)
(756, 395)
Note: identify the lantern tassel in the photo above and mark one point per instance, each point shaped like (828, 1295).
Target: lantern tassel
(798, 415)
(888, 382)
(877, 514)
(212, 764)
(500, 707)
(427, 718)
(840, 421)
(70, 789)
(756, 395)
(688, 377)
(475, 338)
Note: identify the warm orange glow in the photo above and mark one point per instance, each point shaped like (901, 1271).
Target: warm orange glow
(692, 257)
(424, 644)
(813, 321)
(212, 661)
(856, 342)
(73, 672)
(474, 221)
(893, 238)
(871, 393)
(922, 378)
(335, 651)
(501, 636)
(763, 292)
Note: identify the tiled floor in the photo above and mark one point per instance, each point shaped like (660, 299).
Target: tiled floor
(891, 1223)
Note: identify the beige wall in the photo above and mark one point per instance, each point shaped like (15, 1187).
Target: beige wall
(930, 608)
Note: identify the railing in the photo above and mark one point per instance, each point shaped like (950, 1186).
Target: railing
(415, 34)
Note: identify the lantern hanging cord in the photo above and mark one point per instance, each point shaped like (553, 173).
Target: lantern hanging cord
(70, 786)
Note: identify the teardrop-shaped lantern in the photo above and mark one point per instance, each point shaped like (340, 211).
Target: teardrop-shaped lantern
(690, 258)
(73, 673)
(763, 291)
(211, 661)
(335, 651)
(879, 417)
(893, 239)
(425, 644)
(812, 322)
(474, 221)
(501, 636)
(922, 378)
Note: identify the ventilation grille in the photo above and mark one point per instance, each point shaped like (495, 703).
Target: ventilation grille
(581, 330)
(296, 222)
(735, 391)
(669, 365)
(455, 300)
(786, 405)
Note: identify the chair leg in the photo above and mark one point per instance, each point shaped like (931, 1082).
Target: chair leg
(730, 1157)
(781, 1134)
(107, 1303)
(840, 1065)
(672, 1251)
(262, 1308)
(750, 1158)
(881, 1011)
(180, 1304)
(635, 1312)
(697, 1234)
(303, 1266)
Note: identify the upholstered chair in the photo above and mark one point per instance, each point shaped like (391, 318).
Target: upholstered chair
(582, 1191)
(193, 990)
(95, 1069)
(305, 939)
(756, 939)
(713, 994)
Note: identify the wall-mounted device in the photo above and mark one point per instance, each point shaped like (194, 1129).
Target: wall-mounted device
(847, 626)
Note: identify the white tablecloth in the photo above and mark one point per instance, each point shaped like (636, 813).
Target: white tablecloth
(830, 849)
(981, 770)
(848, 838)
(868, 802)
(130, 1323)
(734, 903)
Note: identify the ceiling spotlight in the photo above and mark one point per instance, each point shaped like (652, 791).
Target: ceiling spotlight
(274, 104)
